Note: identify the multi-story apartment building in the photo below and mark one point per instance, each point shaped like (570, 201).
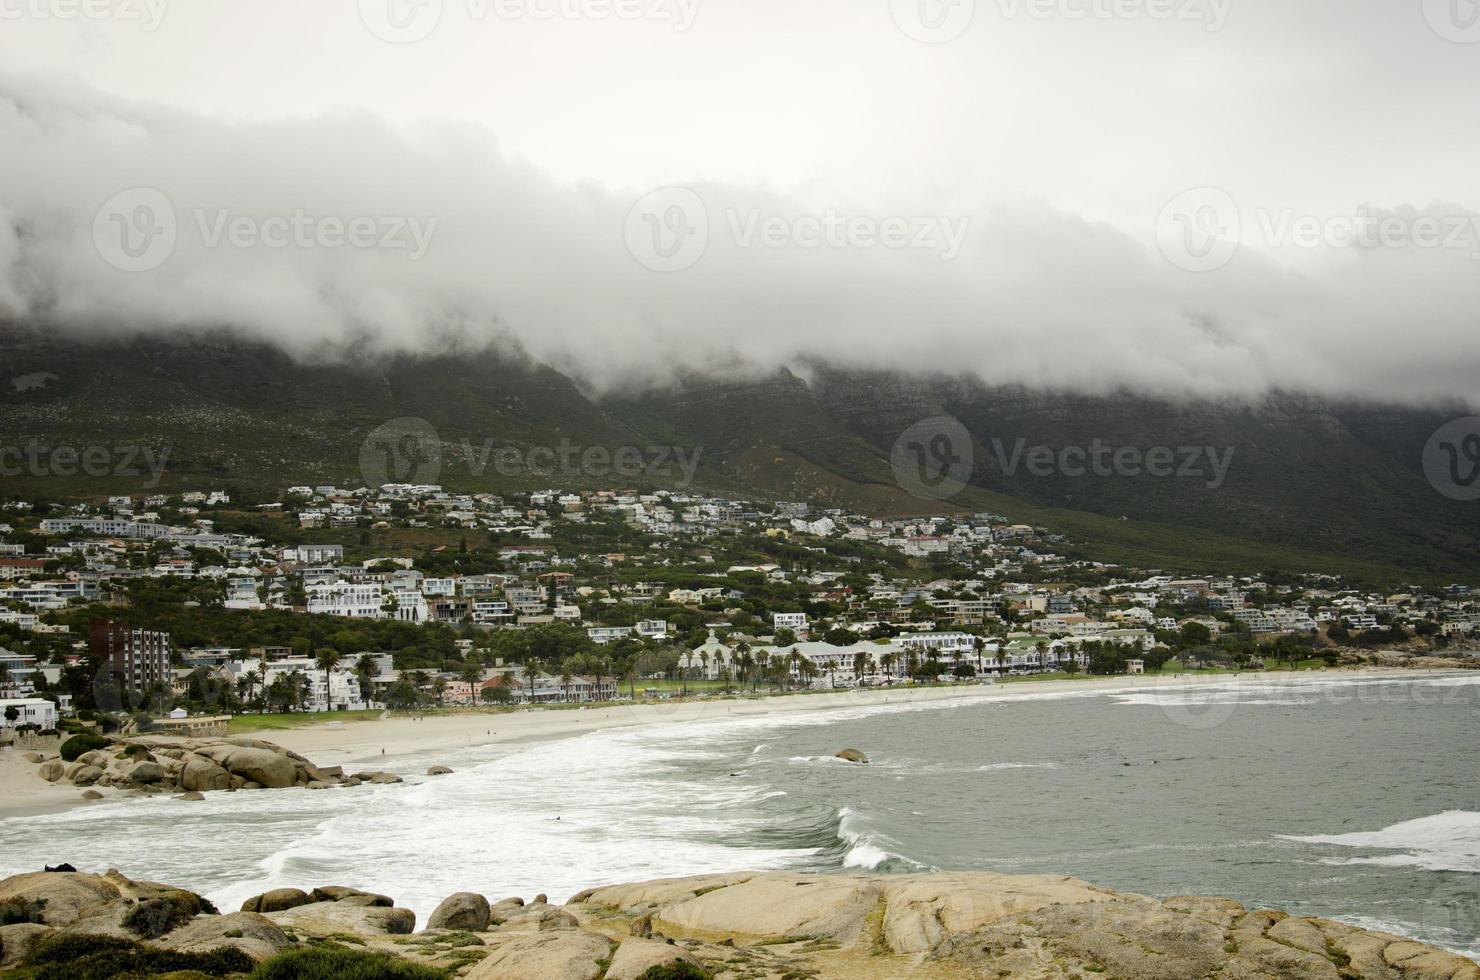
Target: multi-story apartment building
(136, 659)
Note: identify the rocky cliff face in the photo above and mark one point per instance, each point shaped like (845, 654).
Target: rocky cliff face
(745, 926)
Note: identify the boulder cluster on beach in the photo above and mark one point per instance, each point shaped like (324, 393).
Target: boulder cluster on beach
(194, 766)
(742, 926)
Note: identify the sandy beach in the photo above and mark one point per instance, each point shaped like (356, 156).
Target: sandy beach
(363, 742)
(366, 743)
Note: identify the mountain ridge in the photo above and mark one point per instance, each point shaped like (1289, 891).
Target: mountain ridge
(1341, 479)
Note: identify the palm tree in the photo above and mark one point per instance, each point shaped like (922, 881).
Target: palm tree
(472, 674)
(531, 667)
(887, 661)
(796, 659)
(565, 679)
(327, 660)
(365, 670)
(252, 680)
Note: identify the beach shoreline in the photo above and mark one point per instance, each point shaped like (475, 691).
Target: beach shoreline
(391, 740)
(361, 742)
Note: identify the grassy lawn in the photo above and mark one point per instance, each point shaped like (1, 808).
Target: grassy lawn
(247, 724)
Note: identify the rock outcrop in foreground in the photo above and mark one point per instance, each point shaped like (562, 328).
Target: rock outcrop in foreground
(746, 925)
(162, 764)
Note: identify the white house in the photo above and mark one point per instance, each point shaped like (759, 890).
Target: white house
(652, 629)
(316, 553)
(28, 711)
(357, 600)
(796, 622)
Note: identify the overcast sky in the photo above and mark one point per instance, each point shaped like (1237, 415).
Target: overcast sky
(1000, 187)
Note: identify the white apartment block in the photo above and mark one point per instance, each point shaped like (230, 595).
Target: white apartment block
(796, 622)
(343, 684)
(355, 600)
(105, 526)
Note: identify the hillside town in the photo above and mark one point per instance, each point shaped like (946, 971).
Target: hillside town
(198, 604)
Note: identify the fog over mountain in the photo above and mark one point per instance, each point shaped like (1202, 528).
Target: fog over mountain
(470, 241)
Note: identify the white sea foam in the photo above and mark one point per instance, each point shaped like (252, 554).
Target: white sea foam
(618, 805)
(1448, 841)
(868, 849)
(1017, 765)
(1308, 689)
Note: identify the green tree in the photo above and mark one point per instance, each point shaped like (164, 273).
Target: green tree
(499, 693)
(1194, 635)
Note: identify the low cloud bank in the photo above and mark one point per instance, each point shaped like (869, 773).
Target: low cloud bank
(326, 234)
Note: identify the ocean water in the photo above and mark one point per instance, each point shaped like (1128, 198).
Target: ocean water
(1357, 799)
